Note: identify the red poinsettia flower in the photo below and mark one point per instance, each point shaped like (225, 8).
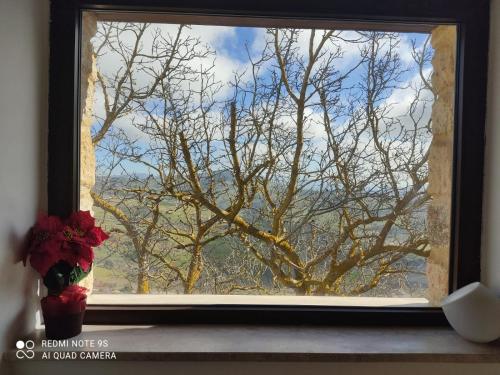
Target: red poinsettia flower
(72, 300)
(45, 229)
(44, 243)
(77, 253)
(45, 255)
(81, 221)
(73, 293)
(47, 224)
(96, 236)
(84, 225)
(53, 240)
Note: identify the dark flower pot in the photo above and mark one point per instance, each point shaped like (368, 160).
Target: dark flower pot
(64, 326)
(62, 320)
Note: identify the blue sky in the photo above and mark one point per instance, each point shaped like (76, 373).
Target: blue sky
(234, 45)
(231, 56)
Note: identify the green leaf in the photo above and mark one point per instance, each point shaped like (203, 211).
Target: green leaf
(77, 274)
(61, 275)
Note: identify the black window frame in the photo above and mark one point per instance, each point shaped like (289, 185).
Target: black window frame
(472, 20)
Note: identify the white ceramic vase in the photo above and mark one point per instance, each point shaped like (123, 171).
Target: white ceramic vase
(474, 312)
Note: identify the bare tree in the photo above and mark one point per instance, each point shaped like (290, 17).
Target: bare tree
(332, 218)
(137, 203)
(307, 172)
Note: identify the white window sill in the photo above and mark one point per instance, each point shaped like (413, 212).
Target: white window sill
(181, 299)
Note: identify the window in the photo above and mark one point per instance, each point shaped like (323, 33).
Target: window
(291, 162)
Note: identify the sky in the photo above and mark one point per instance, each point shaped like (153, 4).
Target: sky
(231, 57)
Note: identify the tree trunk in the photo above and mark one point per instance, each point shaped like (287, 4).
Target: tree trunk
(142, 277)
(195, 269)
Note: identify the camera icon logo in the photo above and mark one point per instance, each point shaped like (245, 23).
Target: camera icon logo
(25, 349)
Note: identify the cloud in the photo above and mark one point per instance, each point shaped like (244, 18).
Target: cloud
(228, 61)
(401, 100)
(213, 37)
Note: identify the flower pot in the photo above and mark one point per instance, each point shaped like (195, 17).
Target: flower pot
(64, 326)
(473, 312)
(62, 319)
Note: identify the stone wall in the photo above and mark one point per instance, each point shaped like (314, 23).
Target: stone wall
(443, 41)
(87, 152)
(88, 79)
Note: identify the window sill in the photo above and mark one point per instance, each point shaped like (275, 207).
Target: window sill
(207, 300)
(280, 344)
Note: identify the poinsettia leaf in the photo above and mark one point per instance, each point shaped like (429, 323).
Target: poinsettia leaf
(77, 274)
(61, 275)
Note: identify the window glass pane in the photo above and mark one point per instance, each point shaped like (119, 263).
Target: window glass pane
(269, 161)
